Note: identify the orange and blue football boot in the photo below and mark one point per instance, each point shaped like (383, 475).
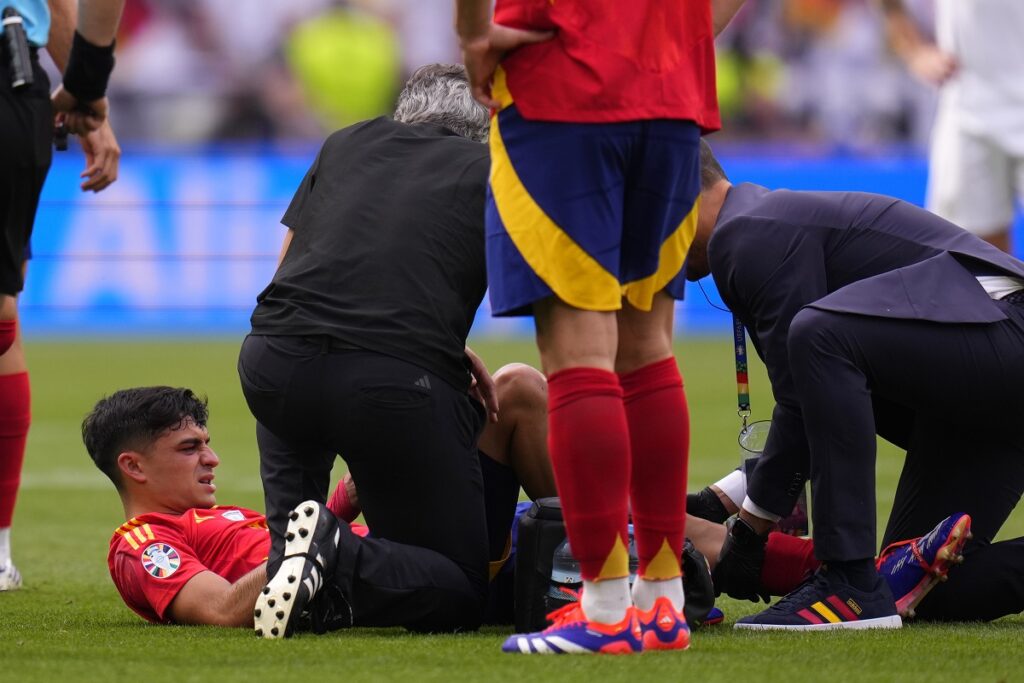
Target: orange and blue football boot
(572, 633)
(663, 628)
(914, 567)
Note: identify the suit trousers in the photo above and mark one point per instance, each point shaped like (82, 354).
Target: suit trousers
(409, 439)
(951, 396)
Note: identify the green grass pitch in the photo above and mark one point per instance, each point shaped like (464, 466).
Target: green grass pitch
(68, 623)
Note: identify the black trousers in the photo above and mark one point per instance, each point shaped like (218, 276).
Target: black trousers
(409, 439)
(951, 395)
(26, 134)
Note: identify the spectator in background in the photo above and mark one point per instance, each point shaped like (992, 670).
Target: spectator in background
(976, 171)
(346, 62)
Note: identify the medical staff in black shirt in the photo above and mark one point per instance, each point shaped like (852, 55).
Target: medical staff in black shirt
(358, 349)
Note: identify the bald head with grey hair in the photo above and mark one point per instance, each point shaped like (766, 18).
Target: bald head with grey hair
(440, 94)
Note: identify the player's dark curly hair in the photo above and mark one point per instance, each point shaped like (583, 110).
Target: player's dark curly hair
(132, 419)
(710, 170)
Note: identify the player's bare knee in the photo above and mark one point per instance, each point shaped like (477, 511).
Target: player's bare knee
(520, 387)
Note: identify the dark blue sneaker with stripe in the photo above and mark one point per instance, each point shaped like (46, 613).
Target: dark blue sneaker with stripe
(825, 602)
(914, 567)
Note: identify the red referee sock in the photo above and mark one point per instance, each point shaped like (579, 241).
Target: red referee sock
(8, 331)
(14, 421)
(659, 430)
(589, 443)
(788, 560)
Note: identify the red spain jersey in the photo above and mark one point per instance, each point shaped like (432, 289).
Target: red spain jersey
(612, 60)
(154, 555)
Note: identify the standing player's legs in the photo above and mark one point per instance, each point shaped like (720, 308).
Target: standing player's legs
(659, 223)
(588, 439)
(26, 134)
(567, 234)
(15, 417)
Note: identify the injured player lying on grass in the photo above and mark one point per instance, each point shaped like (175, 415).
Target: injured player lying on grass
(182, 558)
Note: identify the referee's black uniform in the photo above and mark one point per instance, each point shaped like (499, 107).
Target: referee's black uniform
(356, 350)
(26, 133)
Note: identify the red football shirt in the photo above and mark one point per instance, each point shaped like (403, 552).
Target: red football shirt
(613, 61)
(153, 556)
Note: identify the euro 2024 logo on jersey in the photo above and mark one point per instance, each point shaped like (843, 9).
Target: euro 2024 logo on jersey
(160, 560)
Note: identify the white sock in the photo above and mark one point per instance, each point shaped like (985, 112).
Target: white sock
(734, 486)
(646, 591)
(5, 546)
(606, 601)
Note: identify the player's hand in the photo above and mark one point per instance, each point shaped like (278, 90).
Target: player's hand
(481, 55)
(930, 64)
(482, 386)
(80, 117)
(102, 157)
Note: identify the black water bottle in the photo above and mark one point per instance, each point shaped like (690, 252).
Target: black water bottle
(19, 60)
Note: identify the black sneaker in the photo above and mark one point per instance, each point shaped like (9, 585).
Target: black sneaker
(310, 553)
(825, 602)
(738, 572)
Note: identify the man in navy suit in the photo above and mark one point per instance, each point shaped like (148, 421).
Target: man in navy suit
(872, 316)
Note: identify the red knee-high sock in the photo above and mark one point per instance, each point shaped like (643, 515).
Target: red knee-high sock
(589, 443)
(788, 560)
(659, 432)
(8, 331)
(14, 420)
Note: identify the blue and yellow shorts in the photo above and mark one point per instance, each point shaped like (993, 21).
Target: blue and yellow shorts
(589, 212)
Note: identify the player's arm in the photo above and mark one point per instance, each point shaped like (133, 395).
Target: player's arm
(482, 387)
(209, 599)
(484, 43)
(98, 20)
(63, 17)
(923, 58)
(102, 152)
(722, 12)
(82, 97)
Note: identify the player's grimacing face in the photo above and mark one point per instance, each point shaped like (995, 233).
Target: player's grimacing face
(179, 468)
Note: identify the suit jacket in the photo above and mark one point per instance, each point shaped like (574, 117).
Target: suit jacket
(774, 252)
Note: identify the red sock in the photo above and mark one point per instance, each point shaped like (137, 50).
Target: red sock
(14, 420)
(788, 560)
(589, 443)
(659, 431)
(8, 331)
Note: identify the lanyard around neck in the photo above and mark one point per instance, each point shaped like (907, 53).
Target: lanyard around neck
(742, 383)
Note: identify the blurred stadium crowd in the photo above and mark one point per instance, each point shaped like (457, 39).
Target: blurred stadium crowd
(196, 71)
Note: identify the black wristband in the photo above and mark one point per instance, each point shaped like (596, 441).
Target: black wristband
(88, 69)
